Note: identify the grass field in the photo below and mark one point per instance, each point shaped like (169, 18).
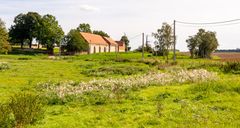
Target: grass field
(189, 93)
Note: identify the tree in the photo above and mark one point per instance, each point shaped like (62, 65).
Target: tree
(125, 39)
(146, 49)
(101, 33)
(26, 27)
(50, 32)
(4, 44)
(75, 42)
(202, 44)
(84, 27)
(17, 32)
(164, 37)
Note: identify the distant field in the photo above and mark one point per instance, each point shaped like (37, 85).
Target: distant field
(121, 90)
(226, 56)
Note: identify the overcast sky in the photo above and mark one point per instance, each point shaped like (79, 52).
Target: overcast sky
(133, 17)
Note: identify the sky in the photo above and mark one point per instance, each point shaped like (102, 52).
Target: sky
(133, 17)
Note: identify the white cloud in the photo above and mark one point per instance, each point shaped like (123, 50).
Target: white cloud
(88, 8)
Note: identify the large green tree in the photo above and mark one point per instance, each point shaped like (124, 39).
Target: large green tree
(202, 44)
(125, 39)
(164, 37)
(84, 27)
(75, 42)
(101, 33)
(4, 44)
(17, 31)
(25, 28)
(50, 32)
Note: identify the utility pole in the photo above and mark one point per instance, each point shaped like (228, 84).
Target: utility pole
(142, 46)
(147, 45)
(174, 39)
(146, 40)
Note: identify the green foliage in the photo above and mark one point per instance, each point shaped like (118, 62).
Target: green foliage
(75, 42)
(125, 39)
(84, 27)
(202, 44)
(25, 28)
(27, 108)
(94, 98)
(231, 67)
(116, 70)
(32, 25)
(6, 120)
(4, 66)
(101, 33)
(50, 32)
(4, 44)
(146, 49)
(208, 86)
(164, 37)
(212, 104)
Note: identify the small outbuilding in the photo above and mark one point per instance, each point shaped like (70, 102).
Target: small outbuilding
(121, 46)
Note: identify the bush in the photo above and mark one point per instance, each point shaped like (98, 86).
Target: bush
(54, 99)
(231, 67)
(6, 120)
(4, 66)
(122, 60)
(94, 98)
(27, 108)
(117, 70)
(209, 86)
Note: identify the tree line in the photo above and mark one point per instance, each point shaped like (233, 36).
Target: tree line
(47, 32)
(200, 45)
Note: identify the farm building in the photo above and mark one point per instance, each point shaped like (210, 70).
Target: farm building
(113, 46)
(99, 44)
(121, 46)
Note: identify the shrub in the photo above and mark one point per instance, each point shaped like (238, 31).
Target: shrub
(4, 66)
(117, 70)
(119, 88)
(237, 89)
(150, 62)
(24, 58)
(27, 108)
(209, 86)
(94, 98)
(231, 67)
(122, 60)
(54, 99)
(6, 120)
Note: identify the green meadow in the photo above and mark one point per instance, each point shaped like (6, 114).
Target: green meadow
(194, 102)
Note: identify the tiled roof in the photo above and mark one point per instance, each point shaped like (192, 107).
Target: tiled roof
(110, 41)
(93, 38)
(120, 43)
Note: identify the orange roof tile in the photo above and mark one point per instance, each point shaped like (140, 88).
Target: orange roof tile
(120, 43)
(93, 39)
(110, 41)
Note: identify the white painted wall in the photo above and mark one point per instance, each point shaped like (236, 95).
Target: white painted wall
(97, 48)
(113, 48)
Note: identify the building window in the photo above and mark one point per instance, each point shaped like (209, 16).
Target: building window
(99, 49)
(105, 49)
(94, 49)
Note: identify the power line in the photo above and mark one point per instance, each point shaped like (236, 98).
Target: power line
(216, 25)
(210, 23)
(135, 36)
